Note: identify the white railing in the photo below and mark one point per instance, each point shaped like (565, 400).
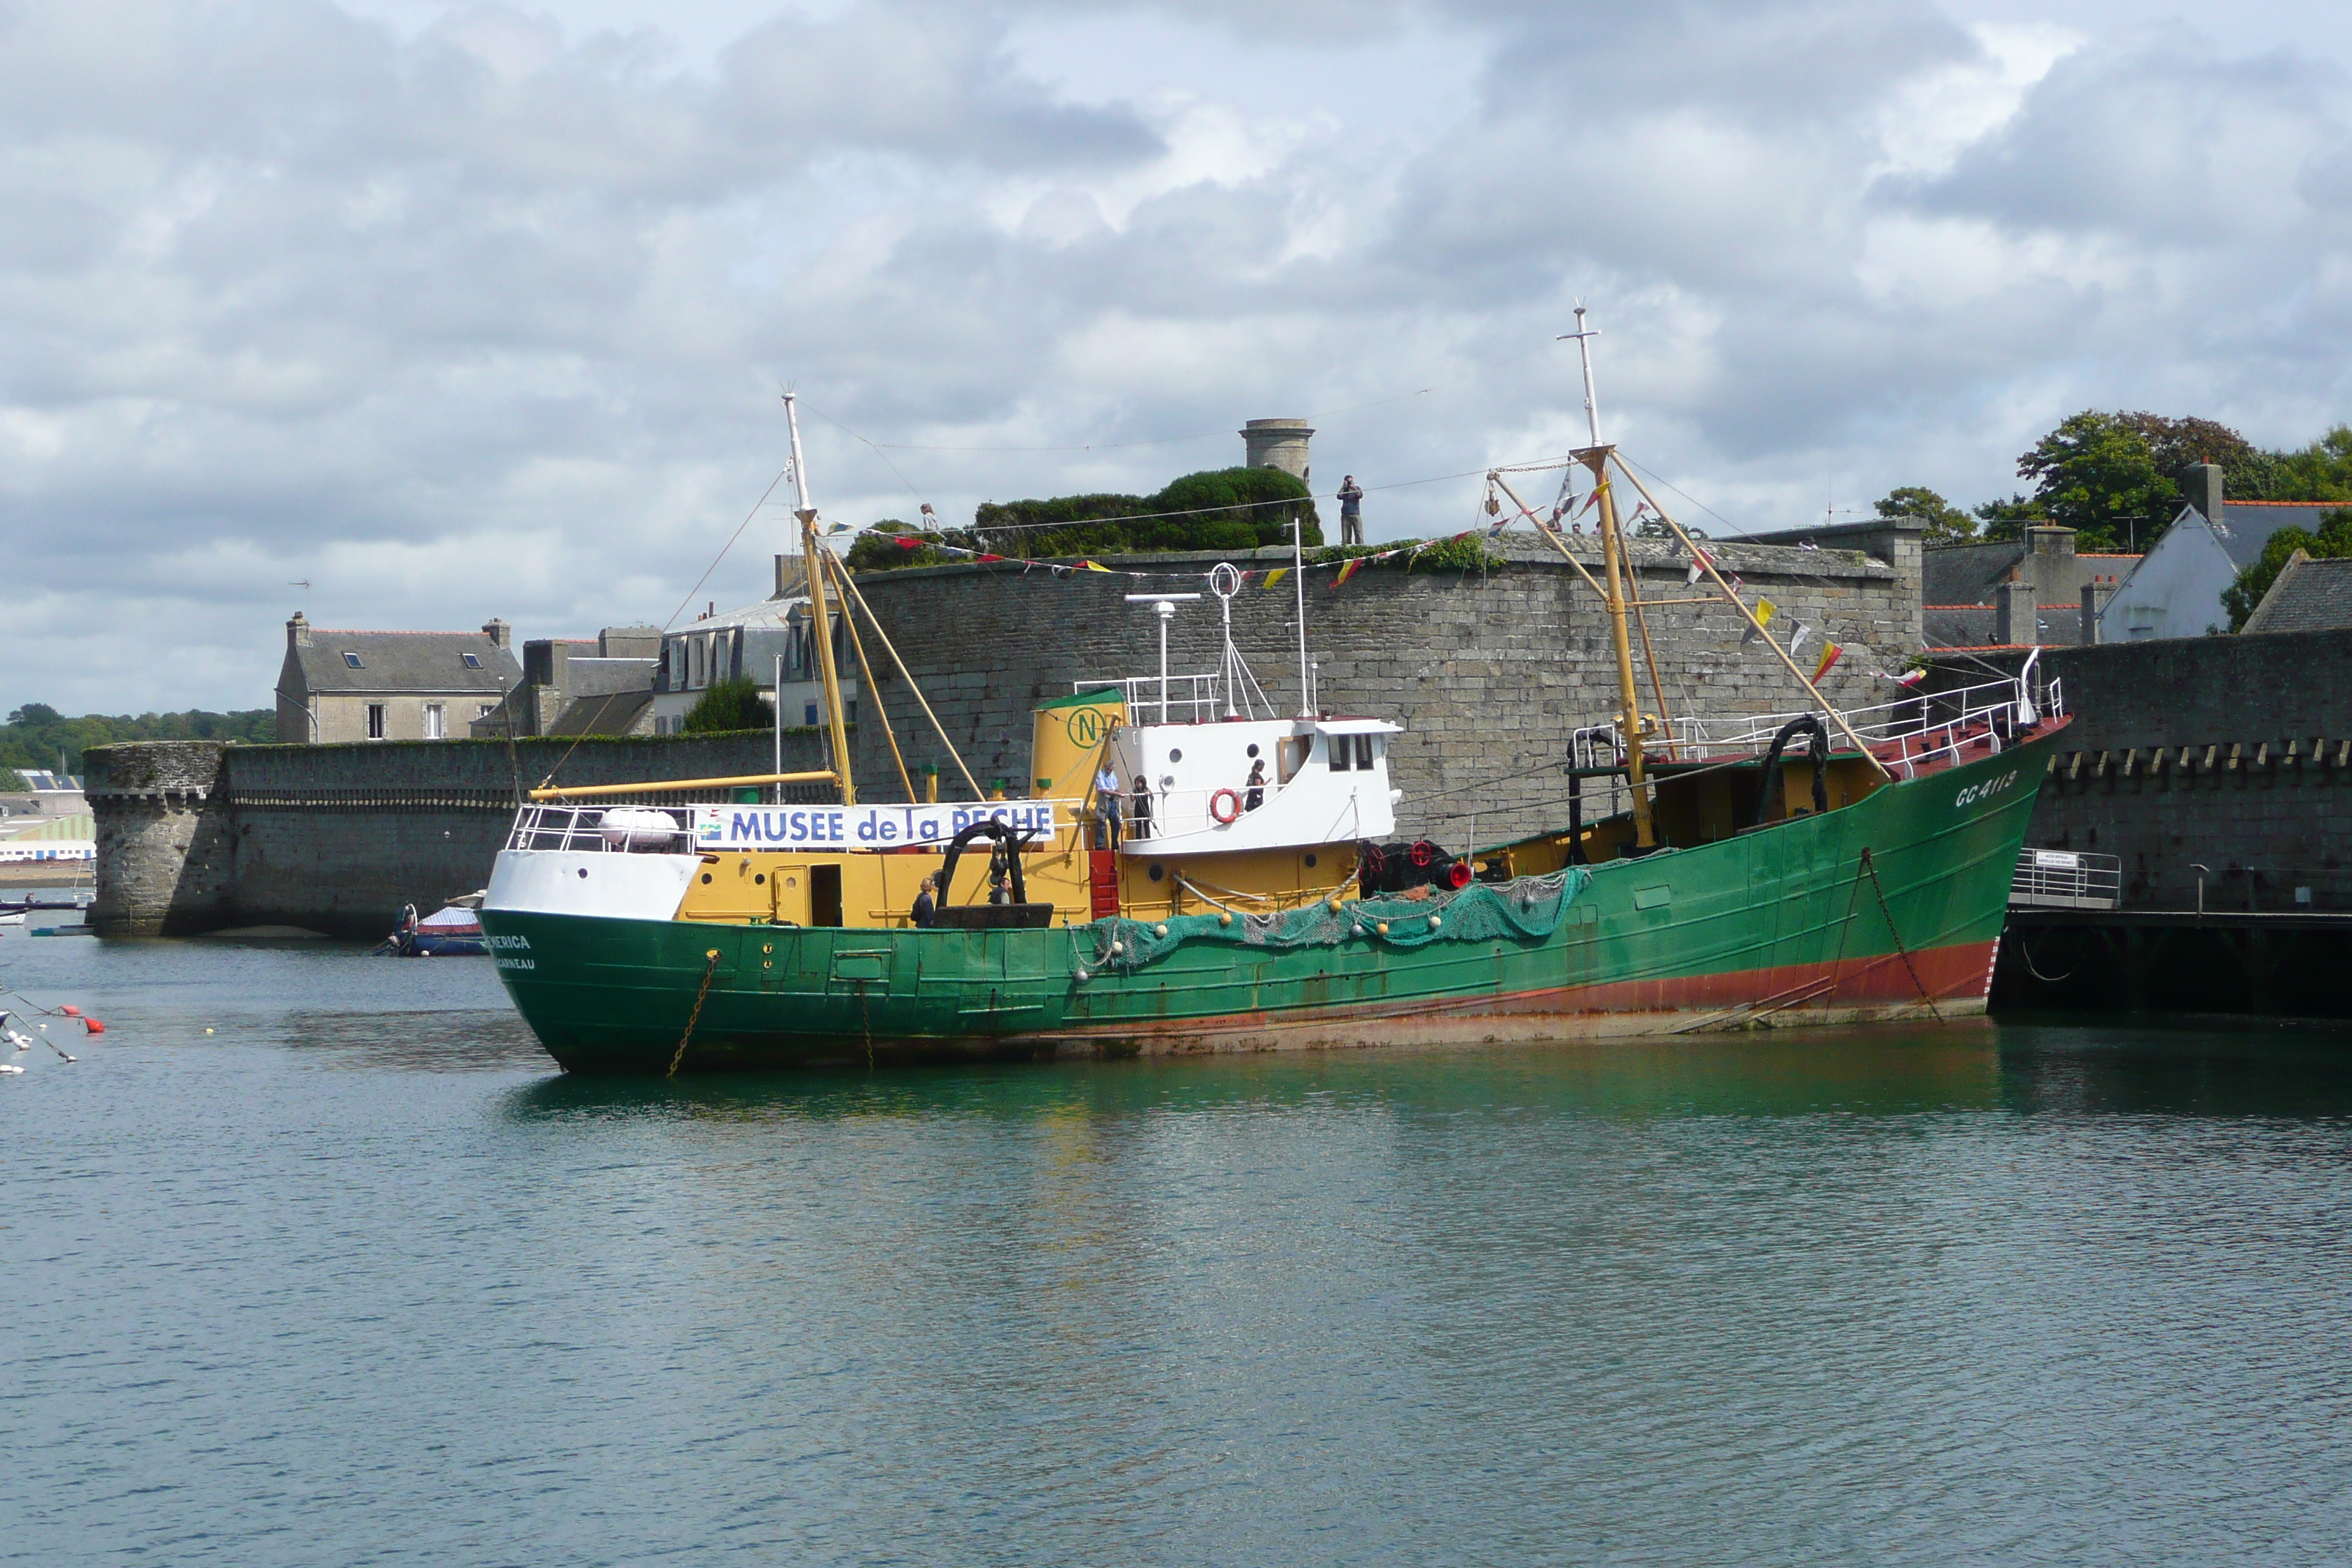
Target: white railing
(581, 827)
(1164, 700)
(1942, 719)
(2066, 880)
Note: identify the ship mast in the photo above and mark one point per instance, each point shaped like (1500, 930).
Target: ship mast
(820, 618)
(1595, 456)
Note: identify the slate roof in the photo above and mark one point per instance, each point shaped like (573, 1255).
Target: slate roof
(427, 662)
(2247, 525)
(1979, 625)
(603, 676)
(1967, 573)
(615, 714)
(2309, 596)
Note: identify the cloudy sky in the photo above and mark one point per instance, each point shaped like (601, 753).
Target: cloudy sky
(457, 310)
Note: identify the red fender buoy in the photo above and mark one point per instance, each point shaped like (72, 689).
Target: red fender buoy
(91, 1026)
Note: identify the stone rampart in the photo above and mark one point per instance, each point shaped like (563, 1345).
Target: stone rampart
(2235, 752)
(1488, 671)
(195, 836)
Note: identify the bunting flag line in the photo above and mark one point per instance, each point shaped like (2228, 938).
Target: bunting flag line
(1829, 657)
(1700, 562)
(1276, 575)
(1909, 679)
(1796, 640)
(1347, 569)
(1765, 610)
(1092, 567)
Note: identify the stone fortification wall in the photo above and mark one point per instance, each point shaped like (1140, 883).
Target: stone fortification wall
(2264, 795)
(1488, 671)
(193, 836)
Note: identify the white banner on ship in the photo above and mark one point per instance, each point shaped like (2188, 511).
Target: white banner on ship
(866, 827)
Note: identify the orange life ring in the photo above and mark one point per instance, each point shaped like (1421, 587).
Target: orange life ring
(1230, 809)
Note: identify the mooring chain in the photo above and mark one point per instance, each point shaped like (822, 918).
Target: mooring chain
(1893, 930)
(710, 968)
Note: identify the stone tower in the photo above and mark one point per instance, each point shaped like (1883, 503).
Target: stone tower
(1276, 444)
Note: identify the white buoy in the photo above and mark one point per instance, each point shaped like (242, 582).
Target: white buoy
(1082, 977)
(1116, 948)
(10, 1067)
(1159, 930)
(1434, 922)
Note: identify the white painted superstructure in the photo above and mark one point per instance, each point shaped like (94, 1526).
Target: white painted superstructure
(1324, 781)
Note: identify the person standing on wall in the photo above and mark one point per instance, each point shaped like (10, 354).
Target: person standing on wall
(1351, 511)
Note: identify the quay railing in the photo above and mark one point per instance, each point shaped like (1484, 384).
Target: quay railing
(2066, 880)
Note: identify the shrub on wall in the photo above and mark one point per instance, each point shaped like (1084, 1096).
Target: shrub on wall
(1220, 509)
(730, 705)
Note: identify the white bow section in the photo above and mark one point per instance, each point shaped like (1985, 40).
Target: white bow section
(1324, 781)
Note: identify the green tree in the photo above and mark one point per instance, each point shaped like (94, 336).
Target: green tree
(1220, 509)
(2321, 471)
(2333, 541)
(1946, 524)
(730, 705)
(2096, 470)
(35, 732)
(2010, 519)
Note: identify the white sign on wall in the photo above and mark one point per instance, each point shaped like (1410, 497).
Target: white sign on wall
(841, 827)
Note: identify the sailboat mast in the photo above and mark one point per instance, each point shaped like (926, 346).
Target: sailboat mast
(820, 616)
(1612, 549)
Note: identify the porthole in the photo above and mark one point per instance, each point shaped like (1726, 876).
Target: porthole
(1252, 752)
(759, 879)
(583, 874)
(706, 877)
(1177, 755)
(1311, 859)
(1155, 873)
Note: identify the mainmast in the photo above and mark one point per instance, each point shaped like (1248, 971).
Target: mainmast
(820, 616)
(1613, 549)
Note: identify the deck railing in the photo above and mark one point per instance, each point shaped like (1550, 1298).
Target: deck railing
(582, 827)
(1939, 719)
(2066, 880)
(1172, 699)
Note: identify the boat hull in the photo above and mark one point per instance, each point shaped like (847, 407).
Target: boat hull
(1890, 908)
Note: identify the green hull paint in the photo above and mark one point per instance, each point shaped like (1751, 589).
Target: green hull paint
(1784, 923)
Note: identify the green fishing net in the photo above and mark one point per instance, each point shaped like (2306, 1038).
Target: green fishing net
(1524, 909)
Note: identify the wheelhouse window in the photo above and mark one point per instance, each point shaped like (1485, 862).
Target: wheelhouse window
(1343, 755)
(1364, 753)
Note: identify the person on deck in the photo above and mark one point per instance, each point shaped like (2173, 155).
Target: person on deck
(1255, 795)
(1107, 806)
(1351, 511)
(927, 908)
(1141, 813)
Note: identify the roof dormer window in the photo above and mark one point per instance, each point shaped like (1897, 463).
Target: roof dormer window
(352, 660)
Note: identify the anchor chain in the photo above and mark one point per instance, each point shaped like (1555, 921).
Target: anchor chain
(1879, 888)
(710, 968)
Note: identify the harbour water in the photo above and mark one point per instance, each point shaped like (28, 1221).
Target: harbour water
(357, 1278)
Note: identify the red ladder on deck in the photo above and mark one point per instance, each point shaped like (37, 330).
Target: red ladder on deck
(1102, 881)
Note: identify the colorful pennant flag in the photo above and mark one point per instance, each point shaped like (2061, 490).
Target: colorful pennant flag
(1700, 562)
(1796, 640)
(1765, 610)
(1090, 566)
(1276, 575)
(1829, 657)
(1347, 569)
(1910, 679)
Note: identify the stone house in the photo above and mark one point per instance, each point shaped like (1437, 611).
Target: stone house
(2038, 591)
(602, 685)
(2176, 590)
(2308, 595)
(339, 686)
(748, 642)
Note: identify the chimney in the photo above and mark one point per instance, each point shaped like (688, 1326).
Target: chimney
(2095, 594)
(298, 631)
(2200, 486)
(500, 634)
(1276, 444)
(2014, 622)
(2048, 539)
(784, 575)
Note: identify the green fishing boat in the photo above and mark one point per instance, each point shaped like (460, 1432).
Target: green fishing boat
(1813, 866)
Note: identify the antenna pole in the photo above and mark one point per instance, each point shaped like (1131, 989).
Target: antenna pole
(820, 616)
(1298, 584)
(1583, 337)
